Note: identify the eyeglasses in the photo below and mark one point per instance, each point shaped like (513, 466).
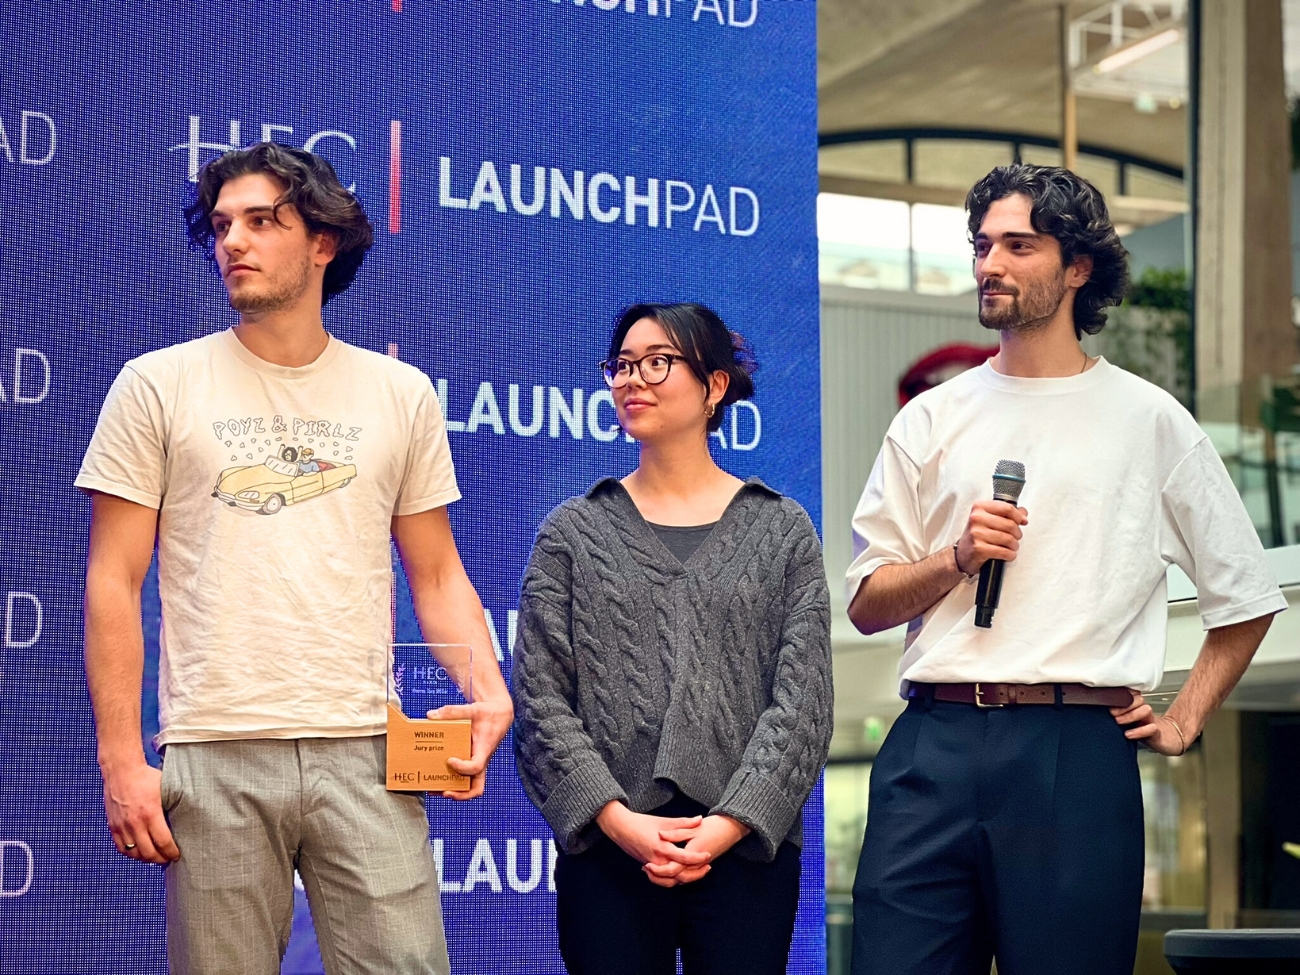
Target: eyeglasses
(654, 369)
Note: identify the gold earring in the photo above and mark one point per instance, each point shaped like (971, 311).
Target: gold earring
(711, 410)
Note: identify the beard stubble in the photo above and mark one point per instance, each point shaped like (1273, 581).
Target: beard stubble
(280, 293)
(1031, 307)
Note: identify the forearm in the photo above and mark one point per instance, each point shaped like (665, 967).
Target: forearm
(446, 604)
(115, 668)
(451, 613)
(895, 594)
(1224, 657)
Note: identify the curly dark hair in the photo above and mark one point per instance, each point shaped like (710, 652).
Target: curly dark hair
(310, 186)
(1072, 210)
(704, 340)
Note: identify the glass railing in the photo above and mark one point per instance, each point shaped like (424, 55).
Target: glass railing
(1257, 435)
(859, 266)
(1265, 466)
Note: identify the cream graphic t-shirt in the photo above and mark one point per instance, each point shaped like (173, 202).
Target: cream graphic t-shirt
(275, 488)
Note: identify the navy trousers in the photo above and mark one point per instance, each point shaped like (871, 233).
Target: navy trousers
(1011, 832)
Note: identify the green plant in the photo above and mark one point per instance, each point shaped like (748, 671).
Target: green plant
(1150, 333)
(1164, 288)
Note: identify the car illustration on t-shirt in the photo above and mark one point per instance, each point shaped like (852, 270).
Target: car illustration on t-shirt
(292, 477)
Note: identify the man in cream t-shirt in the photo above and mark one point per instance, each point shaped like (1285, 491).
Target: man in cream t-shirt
(1006, 808)
(277, 464)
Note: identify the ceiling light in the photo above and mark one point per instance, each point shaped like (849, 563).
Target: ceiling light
(1139, 50)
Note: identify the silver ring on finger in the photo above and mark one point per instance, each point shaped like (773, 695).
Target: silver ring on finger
(129, 846)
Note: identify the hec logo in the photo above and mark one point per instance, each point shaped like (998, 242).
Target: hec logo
(735, 13)
(199, 151)
(30, 140)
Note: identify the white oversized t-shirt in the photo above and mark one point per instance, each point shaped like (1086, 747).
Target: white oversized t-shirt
(276, 488)
(1119, 483)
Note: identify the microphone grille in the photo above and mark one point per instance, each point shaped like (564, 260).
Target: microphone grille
(1008, 480)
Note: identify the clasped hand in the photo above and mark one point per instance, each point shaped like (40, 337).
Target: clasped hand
(653, 841)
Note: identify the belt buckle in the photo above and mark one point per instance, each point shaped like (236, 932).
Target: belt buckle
(979, 698)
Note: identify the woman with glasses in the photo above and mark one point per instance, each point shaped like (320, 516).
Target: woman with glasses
(672, 677)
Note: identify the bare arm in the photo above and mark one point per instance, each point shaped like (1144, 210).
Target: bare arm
(121, 548)
(449, 611)
(1224, 657)
(894, 594)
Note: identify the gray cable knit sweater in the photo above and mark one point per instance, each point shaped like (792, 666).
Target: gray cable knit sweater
(634, 673)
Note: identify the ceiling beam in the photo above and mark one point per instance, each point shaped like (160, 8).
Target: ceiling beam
(992, 135)
(851, 33)
(884, 190)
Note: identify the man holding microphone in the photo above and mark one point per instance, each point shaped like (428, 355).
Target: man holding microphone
(1006, 808)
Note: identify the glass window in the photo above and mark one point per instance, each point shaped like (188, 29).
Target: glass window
(864, 242)
(957, 163)
(1173, 797)
(872, 243)
(847, 785)
(885, 161)
(941, 250)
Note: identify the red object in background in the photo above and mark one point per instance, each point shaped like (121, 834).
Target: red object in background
(940, 365)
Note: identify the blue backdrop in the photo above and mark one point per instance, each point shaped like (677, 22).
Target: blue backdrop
(530, 166)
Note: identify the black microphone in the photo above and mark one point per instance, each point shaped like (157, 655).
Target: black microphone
(1008, 482)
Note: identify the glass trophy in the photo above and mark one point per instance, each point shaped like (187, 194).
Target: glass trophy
(423, 677)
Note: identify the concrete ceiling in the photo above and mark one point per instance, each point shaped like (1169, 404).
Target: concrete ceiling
(986, 64)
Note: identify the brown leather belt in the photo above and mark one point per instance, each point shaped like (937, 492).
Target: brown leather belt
(1000, 695)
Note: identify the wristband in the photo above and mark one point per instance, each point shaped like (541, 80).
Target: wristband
(957, 562)
(1181, 739)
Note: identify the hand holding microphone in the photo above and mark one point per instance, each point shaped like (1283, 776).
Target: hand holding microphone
(992, 538)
